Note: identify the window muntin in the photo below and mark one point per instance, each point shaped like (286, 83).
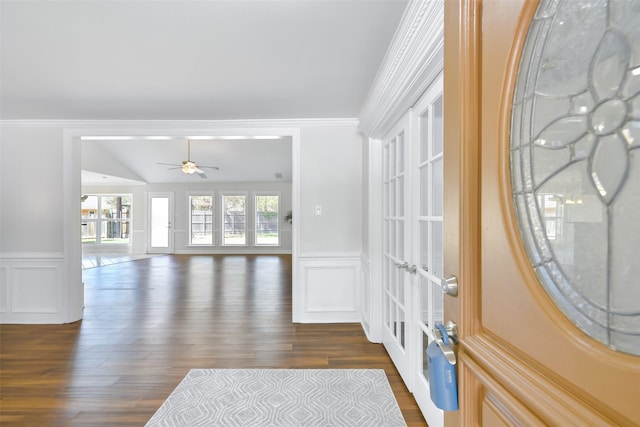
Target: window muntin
(267, 218)
(201, 219)
(234, 208)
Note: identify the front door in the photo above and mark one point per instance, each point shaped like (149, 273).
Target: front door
(529, 353)
(160, 223)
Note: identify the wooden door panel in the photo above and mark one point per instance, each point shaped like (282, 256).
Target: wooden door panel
(521, 360)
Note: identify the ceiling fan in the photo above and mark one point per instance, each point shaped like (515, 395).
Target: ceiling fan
(189, 166)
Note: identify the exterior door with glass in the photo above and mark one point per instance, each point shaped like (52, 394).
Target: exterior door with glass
(160, 223)
(542, 123)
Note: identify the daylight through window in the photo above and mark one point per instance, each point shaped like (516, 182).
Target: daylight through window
(267, 220)
(235, 225)
(106, 219)
(201, 219)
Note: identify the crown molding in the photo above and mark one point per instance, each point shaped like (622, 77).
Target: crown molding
(414, 60)
(177, 124)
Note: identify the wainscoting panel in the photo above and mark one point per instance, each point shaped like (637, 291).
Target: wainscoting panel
(329, 287)
(35, 288)
(31, 288)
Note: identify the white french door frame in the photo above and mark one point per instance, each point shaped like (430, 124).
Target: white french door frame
(412, 258)
(427, 216)
(166, 224)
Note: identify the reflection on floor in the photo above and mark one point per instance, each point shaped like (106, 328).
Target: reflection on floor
(100, 260)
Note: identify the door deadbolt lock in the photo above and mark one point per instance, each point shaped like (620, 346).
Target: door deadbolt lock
(450, 286)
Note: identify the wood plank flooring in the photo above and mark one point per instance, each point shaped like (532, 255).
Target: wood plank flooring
(147, 322)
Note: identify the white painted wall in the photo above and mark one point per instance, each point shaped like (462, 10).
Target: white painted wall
(31, 188)
(37, 281)
(331, 177)
(330, 243)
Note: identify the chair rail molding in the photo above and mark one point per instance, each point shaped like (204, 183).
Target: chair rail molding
(414, 59)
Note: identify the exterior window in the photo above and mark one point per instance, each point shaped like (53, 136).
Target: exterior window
(235, 225)
(106, 219)
(267, 219)
(201, 220)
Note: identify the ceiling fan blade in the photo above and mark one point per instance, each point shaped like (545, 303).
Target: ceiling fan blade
(189, 166)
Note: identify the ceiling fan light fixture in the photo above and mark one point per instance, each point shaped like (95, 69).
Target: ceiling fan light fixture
(189, 167)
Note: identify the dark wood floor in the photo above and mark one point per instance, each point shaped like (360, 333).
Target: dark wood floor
(147, 322)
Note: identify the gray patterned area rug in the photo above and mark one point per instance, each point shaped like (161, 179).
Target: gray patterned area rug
(281, 397)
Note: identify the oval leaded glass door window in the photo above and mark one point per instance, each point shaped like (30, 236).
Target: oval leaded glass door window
(575, 162)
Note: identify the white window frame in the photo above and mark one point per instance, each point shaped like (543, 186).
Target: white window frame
(255, 216)
(223, 195)
(211, 194)
(101, 222)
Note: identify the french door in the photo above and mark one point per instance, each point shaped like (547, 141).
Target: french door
(427, 243)
(396, 248)
(413, 242)
(160, 223)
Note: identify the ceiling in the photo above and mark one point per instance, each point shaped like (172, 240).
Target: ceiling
(191, 60)
(238, 160)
